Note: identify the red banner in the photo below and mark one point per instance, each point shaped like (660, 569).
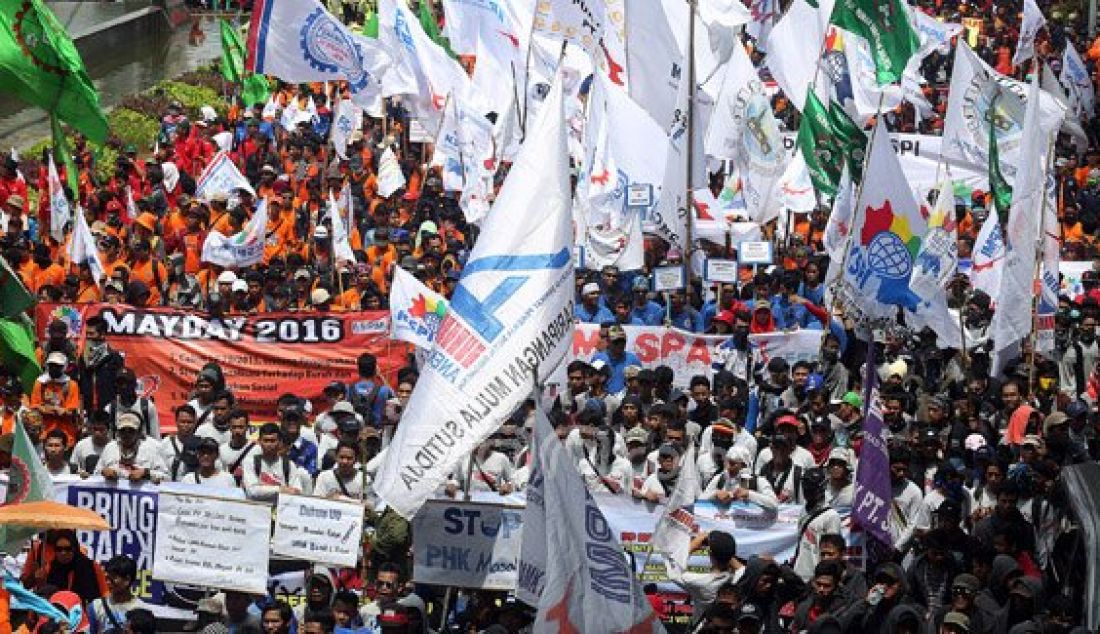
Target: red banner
(262, 355)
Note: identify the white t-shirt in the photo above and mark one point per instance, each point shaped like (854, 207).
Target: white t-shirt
(84, 449)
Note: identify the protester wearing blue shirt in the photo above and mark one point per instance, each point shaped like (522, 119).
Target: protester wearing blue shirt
(588, 310)
(617, 358)
(649, 312)
(683, 315)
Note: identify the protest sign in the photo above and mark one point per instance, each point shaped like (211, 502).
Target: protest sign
(467, 544)
(318, 530)
(790, 345)
(262, 355)
(212, 542)
(688, 354)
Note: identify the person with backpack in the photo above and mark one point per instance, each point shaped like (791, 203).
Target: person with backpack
(57, 397)
(107, 615)
(176, 452)
(206, 470)
(131, 456)
(737, 483)
(369, 394)
(270, 473)
(818, 518)
(127, 400)
(236, 451)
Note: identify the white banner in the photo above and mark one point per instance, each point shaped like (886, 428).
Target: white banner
(688, 354)
(212, 542)
(415, 310)
(347, 120)
(390, 176)
(241, 249)
(221, 176)
(61, 212)
(791, 345)
(318, 530)
(467, 544)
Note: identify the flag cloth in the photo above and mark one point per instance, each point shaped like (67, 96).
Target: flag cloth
(341, 246)
(746, 131)
(794, 46)
(1077, 80)
(819, 147)
(510, 317)
(1049, 281)
(40, 64)
(988, 258)
(1002, 191)
(672, 536)
(28, 481)
(431, 28)
(82, 247)
(1030, 24)
(415, 310)
(837, 232)
(939, 254)
(658, 67)
(131, 206)
(254, 88)
(241, 249)
(587, 585)
(390, 176)
(850, 138)
(885, 238)
(61, 213)
(14, 296)
(346, 121)
(61, 149)
(299, 41)
(1012, 321)
(873, 498)
(221, 176)
(581, 22)
(17, 343)
(885, 25)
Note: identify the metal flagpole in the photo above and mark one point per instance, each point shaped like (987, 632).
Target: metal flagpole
(690, 197)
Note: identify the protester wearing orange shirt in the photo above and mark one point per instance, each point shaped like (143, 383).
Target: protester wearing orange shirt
(49, 273)
(57, 397)
(279, 236)
(189, 241)
(88, 292)
(144, 269)
(12, 395)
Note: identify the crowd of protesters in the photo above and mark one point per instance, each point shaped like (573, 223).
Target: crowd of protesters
(983, 541)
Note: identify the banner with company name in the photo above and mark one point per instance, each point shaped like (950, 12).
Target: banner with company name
(262, 355)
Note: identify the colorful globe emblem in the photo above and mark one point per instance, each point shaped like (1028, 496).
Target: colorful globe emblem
(69, 316)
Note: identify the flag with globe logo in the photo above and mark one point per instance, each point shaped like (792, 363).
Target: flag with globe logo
(415, 310)
(885, 240)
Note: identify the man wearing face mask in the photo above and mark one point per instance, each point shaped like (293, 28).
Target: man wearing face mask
(98, 367)
(659, 485)
(57, 397)
(831, 369)
(602, 469)
(734, 354)
(818, 518)
(736, 482)
(1080, 355)
(637, 446)
(127, 400)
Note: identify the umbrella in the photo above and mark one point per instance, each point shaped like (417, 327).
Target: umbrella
(49, 515)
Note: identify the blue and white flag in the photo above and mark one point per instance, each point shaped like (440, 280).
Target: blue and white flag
(242, 249)
(347, 120)
(939, 252)
(1077, 80)
(571, 564)
(510, 317)
(1030, 24)
(299, 41)
(82, 247)
(61, 213)
(221, 176)
(415, 310)
(988, 258)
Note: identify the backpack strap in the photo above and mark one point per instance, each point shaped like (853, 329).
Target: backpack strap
(176, 460)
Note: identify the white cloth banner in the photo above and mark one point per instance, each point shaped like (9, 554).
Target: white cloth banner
(510, 318)
(415, 310)
(988, 258)
(241, 249)
(1030, 24)
(791, 345)
(348, 119)
(794, 49)
(578, 21)
(299, 41)
(221, 176)
(467, 544)
(61, 212)
(82, 247)
(672, 537)
(390, 176)
(212, 542)
(571, 564)
(341, 246)
(318, 530)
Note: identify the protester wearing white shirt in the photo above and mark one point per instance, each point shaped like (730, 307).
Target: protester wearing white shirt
(92, 445)
(270, 473)
(207, 472)
(172, 449)
(235, 453)
(131, 456)
(736, 483)
(346, 480)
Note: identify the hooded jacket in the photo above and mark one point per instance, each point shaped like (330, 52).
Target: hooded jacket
(863, 617)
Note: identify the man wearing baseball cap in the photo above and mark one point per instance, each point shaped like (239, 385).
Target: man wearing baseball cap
(617, 358)
(57, 397)
(131, 456)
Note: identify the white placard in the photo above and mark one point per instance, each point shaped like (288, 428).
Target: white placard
(639, 196)
(668, 278)
(417, 133)
(467, 544)
(754, 252)
(212, 542)
(716, 270)
(318, 530)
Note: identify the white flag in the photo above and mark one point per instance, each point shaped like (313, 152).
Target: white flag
(1030, 24)
(390, 176)
(581, 22)
(1012, 320)
(415, 310)
(241, 249)
(82, 248)
(988, 258)
(746, 131)
(838, 231)
(131, 206)
(469, 20)
(347, 119)
(657, 67)
(511, 315)
(221, 176)
(939, 252)
(572, 565)
(61, 213)
(341, 247)
(1078, 82)
(299, 41)
(794, 47)
(672, 537)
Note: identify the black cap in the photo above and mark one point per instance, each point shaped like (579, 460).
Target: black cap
(207, 444)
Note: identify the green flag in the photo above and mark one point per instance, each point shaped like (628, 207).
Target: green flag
(14, 296)
(850, 137)
(885, 25)
(64, 154)
(39, 64)
(17, 349)
(431, 27)
(820, 150)
(370, 27)
(254, 88)
(28, 481)
(1002, 191)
